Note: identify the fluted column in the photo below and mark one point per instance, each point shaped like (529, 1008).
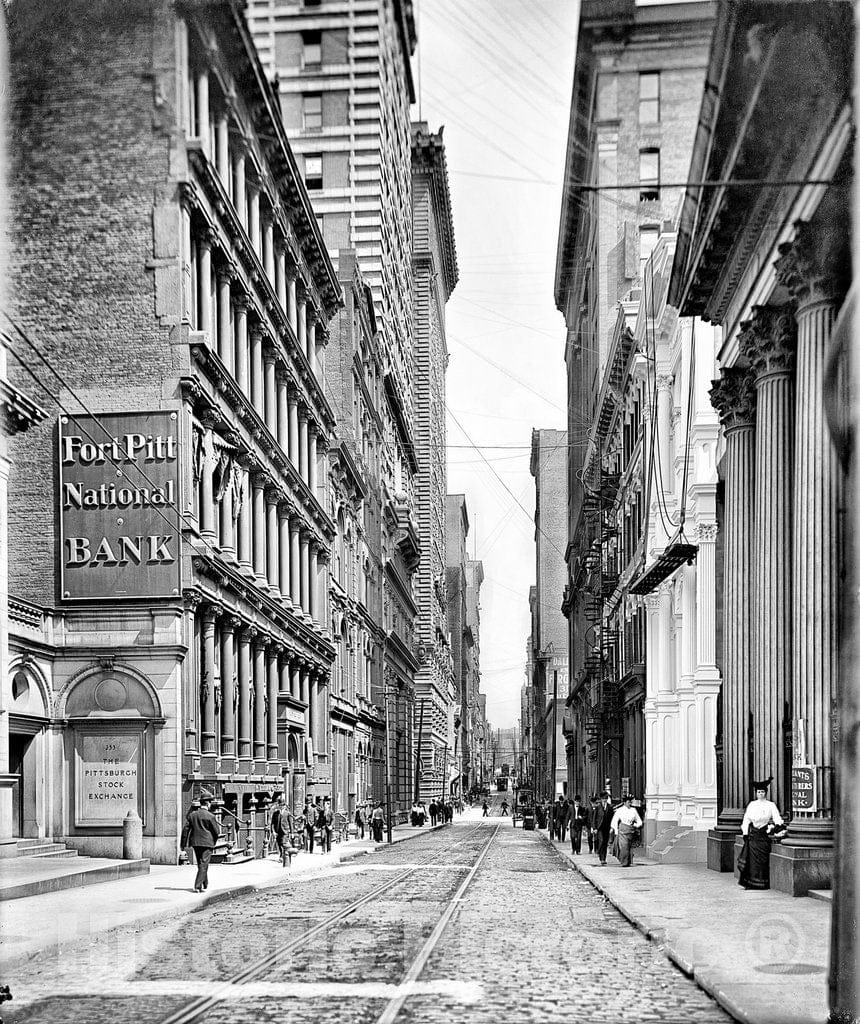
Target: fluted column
(245, 638)
(273, 559)
(734, 398)
(207, 683)
(270, 390)
(240, 337)
(283, 415)
(228, 687)
(259, 529)
(295, 563)
(259, 700)
(272, 702)
(813, 273)
(284, 551)
(768, 341)
(257, 396)
(293, 429)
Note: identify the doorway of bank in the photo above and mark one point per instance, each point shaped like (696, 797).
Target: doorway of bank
(18, 747)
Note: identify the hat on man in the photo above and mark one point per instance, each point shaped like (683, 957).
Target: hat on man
(206, 798)
(763, 783)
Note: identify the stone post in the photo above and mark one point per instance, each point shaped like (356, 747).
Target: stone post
(734, 398)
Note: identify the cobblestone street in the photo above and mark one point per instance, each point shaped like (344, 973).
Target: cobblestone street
(529, 940)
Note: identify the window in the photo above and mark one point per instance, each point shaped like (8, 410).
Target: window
(647, 240)
(312, 111)
(649, 97)
(311, 49)
(313, 171)
(649, 174)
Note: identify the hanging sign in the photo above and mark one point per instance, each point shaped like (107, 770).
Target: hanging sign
(119, 506)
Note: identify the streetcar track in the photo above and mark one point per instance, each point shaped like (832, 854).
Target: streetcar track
(193, 1010)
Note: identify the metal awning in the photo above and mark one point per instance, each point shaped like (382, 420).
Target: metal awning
(674, 555)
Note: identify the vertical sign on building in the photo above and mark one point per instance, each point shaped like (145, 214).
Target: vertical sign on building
(119, 506)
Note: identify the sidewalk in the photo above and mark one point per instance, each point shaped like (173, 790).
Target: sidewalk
(762, 955)
(55, 920)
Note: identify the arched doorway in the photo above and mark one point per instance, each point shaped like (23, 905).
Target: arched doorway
(28, 720)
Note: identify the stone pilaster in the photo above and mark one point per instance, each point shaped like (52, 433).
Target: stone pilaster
(734, 398)
(768, 342)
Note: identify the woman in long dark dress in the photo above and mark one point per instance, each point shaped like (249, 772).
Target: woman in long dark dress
(761, 819)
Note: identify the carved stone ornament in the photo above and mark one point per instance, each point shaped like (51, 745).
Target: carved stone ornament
(707, 533)
(811, 266)
(768, 340)
(734, 397)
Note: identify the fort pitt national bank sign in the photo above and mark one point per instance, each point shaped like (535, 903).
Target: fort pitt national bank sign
(119, 506)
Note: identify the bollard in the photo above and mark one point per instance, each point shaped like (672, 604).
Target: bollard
(132, 837)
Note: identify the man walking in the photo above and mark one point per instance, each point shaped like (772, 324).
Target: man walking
(578, 821)
(562, 819)
(434, 810)
(592, 835)
(203, 833)
(602, 826)
(326, 820)
(310, 816)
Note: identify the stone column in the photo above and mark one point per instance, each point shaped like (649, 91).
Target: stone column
(302, 319)
(323, 559)
(258, 482)
(270, 392)
(311, 341)
(245, 638)
(273, 559)
(259, 700)
(813, 273)
(293, 430)
(189, 300)
(281, 278)
(303, 444)
(207, 501)
(204, 284)
(734, 398)
(240, 333)
(284, 673)
(207, 683)
(312, 458)
(308, 695)
(272, 702)
(269, 251)
(243, 525)
(312, 580)
(304, 600)
(254, 217)
(768, 341)
(226, 514)
(257, 396)
(284, 551)
(319, 352)
(203, 108)
(240, 195)
(222, 149)
(293, 310)
(228, 687)
(225, 319)
(295, 562)
(283, 414)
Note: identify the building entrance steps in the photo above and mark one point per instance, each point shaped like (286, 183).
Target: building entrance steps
(763, 956)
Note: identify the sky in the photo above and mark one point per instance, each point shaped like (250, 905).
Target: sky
(497, 74)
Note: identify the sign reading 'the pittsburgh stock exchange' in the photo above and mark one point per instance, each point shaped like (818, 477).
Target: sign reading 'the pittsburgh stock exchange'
(119, 506)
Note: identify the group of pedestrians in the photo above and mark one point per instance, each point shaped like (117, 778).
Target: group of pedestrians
(600, 822)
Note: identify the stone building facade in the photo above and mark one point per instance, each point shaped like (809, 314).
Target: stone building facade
(170, 527)
(434, 272)
(549, 639)
(637, 82)
(771, 266)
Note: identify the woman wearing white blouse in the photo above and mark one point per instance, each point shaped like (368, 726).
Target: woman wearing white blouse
(625, 822)
(761, 819)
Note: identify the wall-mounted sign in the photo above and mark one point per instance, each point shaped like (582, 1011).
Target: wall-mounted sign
(803, 791)
(107, 778)
(119, 506)
(295, 716)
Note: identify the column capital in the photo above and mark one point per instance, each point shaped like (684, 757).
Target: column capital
(304, 415)
(665, 381)
(227, 272)
(734, 397)
(208, 239)
(229, 620)
(242, 301)
(707, 533)
(811, 267)
(768, 340)
(210, 614)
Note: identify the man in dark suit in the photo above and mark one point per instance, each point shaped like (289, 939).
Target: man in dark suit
(203, 833)
(578, 821)
(601, 822)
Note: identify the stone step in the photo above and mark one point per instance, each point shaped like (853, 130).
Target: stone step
(825, 895)
(25, 845)
(59, 854)
(33, 876)
(46, 849)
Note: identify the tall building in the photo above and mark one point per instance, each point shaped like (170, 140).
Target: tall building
(345, 86)
(169, 524)
(549, 639)
(637, 84)
(470, 712)
(462, 644)
(435, 276)
(772, 267)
